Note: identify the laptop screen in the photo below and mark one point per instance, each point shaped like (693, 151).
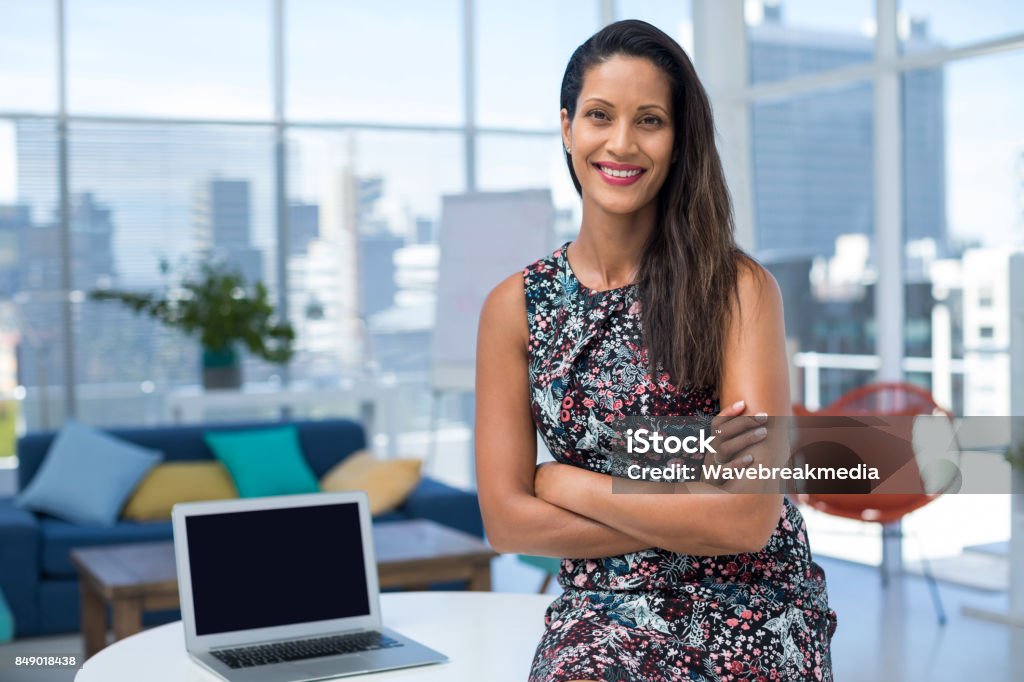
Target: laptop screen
(271, 567)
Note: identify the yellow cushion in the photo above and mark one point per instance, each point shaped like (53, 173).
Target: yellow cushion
(173, 482)
(387, 482)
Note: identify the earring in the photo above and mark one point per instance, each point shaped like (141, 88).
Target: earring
(568, 150)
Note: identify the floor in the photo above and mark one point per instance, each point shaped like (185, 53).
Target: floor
(889, 635)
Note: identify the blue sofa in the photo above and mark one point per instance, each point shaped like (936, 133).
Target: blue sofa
(36, 573)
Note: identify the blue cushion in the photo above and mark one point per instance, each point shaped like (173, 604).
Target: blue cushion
(87, 476)
(264, 461)
(58, 538)
(324, 443)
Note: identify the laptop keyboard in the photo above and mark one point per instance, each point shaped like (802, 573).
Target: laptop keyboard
(297, 650)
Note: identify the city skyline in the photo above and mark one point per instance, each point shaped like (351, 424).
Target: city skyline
(961, 143)
(982, 107)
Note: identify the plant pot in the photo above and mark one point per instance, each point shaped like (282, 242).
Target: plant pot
(222, 369)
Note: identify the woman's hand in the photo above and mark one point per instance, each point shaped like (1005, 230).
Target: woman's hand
(734, 433)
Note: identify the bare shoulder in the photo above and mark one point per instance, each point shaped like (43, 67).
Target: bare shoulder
(758, 291)
(504, 309)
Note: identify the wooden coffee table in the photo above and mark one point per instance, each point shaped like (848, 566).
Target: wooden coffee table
(135, 578)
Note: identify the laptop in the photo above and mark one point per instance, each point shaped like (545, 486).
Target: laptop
(284, 589)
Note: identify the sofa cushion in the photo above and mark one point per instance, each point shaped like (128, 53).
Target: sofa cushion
(174, 482)
(387, 482)
(324, 442)
(60, 537)
(265, 461)
(87, 476)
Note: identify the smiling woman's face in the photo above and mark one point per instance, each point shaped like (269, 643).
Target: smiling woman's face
(622, 135)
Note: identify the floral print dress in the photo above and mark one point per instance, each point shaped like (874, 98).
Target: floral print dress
(654, 615)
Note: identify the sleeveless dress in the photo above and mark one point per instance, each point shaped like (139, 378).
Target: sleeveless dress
(654, 615)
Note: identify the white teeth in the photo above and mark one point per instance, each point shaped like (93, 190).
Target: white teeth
(618, 173)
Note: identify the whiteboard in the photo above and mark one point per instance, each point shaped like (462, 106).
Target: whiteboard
(484, 237)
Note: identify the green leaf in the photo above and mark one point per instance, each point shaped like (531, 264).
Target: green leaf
(215, 304)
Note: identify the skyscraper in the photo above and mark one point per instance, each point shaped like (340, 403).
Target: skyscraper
(13, 219)
(223, 226)
(303, 226)
(813, 154)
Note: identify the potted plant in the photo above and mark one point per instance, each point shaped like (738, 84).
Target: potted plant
(215, 304)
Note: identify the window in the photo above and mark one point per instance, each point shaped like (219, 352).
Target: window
(813, 200)
(938, 24)
(389, 62)
(960, 184)
(378, 195)
(169, 58)
(28, 39)
(671, 16)
(146, 192)
(32, 340)
(797, 38)
(512, 162)
(522, 49)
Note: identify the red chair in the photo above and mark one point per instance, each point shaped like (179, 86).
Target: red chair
(887, 399)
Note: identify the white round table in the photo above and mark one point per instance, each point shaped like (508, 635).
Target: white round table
(487, 635)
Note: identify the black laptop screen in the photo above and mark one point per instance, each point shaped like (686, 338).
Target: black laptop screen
(258, 569)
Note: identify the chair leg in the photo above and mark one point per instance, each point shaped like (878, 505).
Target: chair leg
(544, 585)
(892, 552)
(933, 585)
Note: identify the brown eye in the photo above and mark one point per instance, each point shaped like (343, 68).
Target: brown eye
(596, 111)
(654, 120)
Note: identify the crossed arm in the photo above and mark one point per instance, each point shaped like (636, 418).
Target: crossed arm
(560, 510)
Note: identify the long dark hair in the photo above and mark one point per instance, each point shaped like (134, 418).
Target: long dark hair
(689, 268)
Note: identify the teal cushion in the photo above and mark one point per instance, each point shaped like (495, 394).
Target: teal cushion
(264, 461)
(6, 620)
(87, 476)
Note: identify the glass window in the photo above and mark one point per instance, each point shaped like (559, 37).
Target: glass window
(363, 259)
(170, 58)
(28, 56)
(514, 162)
(961, 133)
(32, 341)
(364, 209)
(813, 199)
(800, 37)
(521, 52)
(140, 194)
(926, 25)
(671, 16)
(386, 62)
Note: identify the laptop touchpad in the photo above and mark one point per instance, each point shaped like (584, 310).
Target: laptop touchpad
(335, 665)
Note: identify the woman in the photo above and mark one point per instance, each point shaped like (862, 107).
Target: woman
(657, 587)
